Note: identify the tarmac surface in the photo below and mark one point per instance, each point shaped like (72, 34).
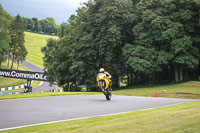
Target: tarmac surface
(45, 86)
(30, 111)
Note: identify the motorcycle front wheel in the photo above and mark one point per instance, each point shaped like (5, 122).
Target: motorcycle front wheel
(106, 92)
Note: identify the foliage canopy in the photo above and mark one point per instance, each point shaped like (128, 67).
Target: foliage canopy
(140, 41)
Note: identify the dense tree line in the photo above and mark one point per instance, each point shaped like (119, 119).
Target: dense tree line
(4, 34)
(44, 26)
(11, 38)
(137, 41)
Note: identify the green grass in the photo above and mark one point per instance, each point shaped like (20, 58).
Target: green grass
(34, 42)
(7, 82)
(180, 118)
(35, 83)
(44, 94)
(183, 90)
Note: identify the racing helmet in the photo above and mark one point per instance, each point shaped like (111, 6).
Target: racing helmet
(101, 70)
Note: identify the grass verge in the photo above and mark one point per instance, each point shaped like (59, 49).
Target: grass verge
(34, 42)
(8, 82)
(43, 94)
(178, 118)
(189, 89)
(34, 84)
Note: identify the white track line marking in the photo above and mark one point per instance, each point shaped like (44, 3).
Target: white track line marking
(41, 83)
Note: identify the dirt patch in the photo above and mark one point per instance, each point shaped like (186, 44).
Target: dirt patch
(191, 84)
(180, 95)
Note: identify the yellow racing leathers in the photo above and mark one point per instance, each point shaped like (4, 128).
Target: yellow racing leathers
(108, 77)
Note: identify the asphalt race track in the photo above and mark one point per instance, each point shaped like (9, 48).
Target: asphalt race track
(45, 86)
(24, 112)
(31, 66)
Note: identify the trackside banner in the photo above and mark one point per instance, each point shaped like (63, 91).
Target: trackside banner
(22, 74)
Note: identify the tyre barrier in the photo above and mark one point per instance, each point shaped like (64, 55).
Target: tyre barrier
(9, 93)
(56, 90)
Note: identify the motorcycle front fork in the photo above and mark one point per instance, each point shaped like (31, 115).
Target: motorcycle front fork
(109, 88)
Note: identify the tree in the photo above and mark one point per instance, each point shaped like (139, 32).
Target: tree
(49, 26)
(170, 28)
(145, 41)
(105, 32)
(184, 46)
(46, 26)
(49, 58)
(18, 50)
(91, 40)
(62, 31)
(4, 34)
(37, 27)
(28, 24)
(58, 64)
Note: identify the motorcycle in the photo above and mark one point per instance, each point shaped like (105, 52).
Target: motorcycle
(103, 84)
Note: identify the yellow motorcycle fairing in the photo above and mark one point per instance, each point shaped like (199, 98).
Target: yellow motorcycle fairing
(103, 77)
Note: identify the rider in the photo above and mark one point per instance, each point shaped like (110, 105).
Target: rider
(107, 75)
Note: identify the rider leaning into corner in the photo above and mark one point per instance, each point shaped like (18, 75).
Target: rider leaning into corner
(107, 75)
